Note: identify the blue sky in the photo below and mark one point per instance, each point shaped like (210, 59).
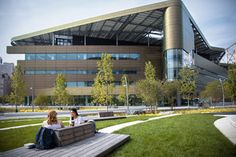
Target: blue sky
(215, 18)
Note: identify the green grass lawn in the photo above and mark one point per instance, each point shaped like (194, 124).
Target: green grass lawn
(14, 138)
(180, 136)
(25, 121)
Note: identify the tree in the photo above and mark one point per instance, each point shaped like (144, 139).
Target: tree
(60, 94)
(103, 82)
(170, 90)
(213, 91)
(231, 82)
(42, 101)
(122, 94)
(187, 82)
(18, 91)
(150, 89)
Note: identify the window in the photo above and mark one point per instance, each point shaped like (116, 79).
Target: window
(94, 56)
(40, 72)
(134, 56)
(29, 56)
(40, 56)
(70, 72)
(115, 56)
(80, 72)
(81, 56)
(60, 41)
(29, 72)
(50, 56)
(71, 56)
(71, 84)
(51, 72)
(81, 84)
(61, 56)
(123, 56)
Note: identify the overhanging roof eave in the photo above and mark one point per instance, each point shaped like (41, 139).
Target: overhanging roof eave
(145, 8)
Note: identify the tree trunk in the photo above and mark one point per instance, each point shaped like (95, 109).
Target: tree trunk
(16, 108)
(188, 101)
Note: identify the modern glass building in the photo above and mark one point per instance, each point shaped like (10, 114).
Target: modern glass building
(164, 33)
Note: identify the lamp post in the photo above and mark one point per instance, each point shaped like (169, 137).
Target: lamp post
(222, 87)
(127, 94)
(32, 95)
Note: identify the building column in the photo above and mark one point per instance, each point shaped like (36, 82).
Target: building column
(117, 40)
(86, 100)
(85, 40)
(178, 39)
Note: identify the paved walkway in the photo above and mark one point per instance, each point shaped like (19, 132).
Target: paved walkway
(227, 126)
(114, 128)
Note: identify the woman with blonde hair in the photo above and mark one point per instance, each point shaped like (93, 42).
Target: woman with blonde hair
(52, 122)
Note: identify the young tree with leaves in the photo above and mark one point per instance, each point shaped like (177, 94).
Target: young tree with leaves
(187, 82)
(170, 90)
(231, 82)
(42, 101)
(103, 83)
(18, 91)
(122, 95)
(213, 91)
(149, 89)
(60, 94)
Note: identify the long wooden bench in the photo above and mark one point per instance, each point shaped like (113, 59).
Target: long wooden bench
(68, 135)
(99, 145)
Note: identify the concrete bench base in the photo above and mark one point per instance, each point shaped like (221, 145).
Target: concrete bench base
(106, 114)
(99, 145)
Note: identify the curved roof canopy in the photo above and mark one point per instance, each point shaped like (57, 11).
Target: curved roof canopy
(132, 25)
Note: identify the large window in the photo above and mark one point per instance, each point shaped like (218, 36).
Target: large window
(175, 59)
(94, 56)
(81, 72)
(62, 56)
(71, 56)
(40, 56)
(50, 56)
(90, 83)
(80, 56)
(29, 56)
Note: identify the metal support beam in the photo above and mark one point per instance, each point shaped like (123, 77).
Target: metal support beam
(53, 38)
(85, 40)
(117, 40)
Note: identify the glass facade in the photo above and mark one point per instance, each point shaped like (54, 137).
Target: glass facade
(175, 59)
(89, 83)
(81, 72)
(79, 56)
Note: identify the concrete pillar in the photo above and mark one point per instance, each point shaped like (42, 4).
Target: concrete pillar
(173, 33)
(53, 38)
(86, 100)
(85, 40)
(117, 40)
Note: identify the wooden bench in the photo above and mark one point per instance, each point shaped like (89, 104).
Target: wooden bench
(70, 135)
(99, 145)
(106, 114)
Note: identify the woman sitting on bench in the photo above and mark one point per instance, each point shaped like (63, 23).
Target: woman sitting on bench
(52, 122)
(75, 119)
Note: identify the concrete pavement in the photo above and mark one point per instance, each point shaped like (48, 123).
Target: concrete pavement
(114, 128)
(227, 126)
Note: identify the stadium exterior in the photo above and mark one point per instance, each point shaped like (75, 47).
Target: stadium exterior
(164, 33)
